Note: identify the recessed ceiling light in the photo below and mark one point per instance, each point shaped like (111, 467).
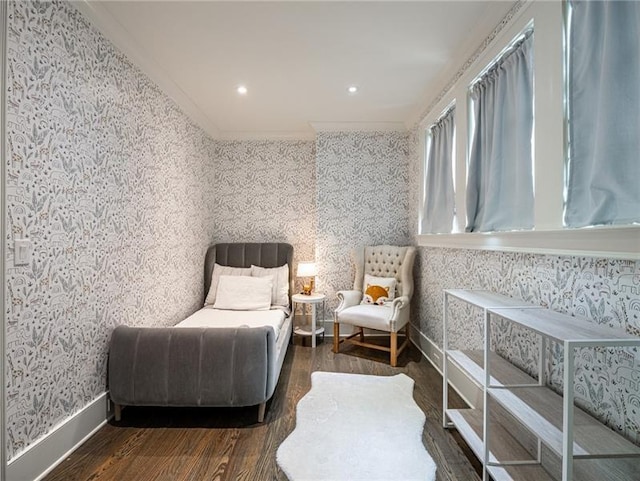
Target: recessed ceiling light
(242, 90)
(352, 89)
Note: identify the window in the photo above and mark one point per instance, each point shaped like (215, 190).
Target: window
(603, 94)
(500, 176)
(559, 169)
(438, 208)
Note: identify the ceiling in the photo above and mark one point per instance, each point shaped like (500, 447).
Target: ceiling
(297, 58)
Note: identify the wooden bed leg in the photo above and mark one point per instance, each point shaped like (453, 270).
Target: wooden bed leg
(261, 410)
(118, 411)
(336, 337)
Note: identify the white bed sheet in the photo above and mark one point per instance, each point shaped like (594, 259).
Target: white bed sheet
(209, 317)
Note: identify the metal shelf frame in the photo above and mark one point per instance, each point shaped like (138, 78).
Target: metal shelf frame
(549, 326)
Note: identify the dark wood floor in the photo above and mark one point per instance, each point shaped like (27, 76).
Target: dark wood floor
(165, 444)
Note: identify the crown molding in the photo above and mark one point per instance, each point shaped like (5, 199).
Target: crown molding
(418, 116)
(358, 126)
(105, 23)
(294, 135)
(100, 18)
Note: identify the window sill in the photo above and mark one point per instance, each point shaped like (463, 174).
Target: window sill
(619, 242)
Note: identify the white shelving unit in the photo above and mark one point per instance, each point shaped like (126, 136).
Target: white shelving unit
(553, 419)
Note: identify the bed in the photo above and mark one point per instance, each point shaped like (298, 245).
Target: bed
(215, 357)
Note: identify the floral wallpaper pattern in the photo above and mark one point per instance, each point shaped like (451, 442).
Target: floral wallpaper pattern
(363, 199)
(265, 190)
(111, 183)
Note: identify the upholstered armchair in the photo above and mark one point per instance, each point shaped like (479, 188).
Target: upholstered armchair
(374, 303)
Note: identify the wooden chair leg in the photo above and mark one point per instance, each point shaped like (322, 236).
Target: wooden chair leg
(361, 334)
(336, 337)
(408, 331)
(394, 349)
(262, 407)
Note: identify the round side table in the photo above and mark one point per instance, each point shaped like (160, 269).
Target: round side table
(313, 300)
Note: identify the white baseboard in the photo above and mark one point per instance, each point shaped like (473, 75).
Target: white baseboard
(468, 390)
(35, 462)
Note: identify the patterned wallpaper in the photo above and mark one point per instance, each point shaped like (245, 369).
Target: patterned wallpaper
(266, 190)
(120, 208)
(363, 199)
(112, 185)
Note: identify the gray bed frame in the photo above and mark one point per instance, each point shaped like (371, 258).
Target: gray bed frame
(216, 367)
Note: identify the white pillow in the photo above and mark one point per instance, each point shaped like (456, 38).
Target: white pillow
(218, 271)
(378, 290)
(243, 293)
(280, 289)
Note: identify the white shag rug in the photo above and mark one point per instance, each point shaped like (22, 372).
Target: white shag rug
(357, 427)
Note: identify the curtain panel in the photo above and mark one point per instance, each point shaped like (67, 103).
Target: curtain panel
(499, 192)
(603, 167)
(439, 197)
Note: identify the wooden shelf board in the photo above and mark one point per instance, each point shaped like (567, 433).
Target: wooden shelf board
(505, 447)
(519, 473)
(486, 299)
(502, 371)
(563, 327)
(600, 469)
(540, 409)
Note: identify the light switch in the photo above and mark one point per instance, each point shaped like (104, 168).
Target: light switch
(21, 252)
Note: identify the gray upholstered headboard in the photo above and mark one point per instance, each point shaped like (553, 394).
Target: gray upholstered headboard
(244, 254)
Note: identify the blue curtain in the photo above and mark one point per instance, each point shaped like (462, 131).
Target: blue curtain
(439, 200)
(603, 168)
(499, 192)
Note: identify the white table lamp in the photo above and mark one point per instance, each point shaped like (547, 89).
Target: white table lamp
(307, 269)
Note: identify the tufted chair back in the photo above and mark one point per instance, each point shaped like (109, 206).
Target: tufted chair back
(386, 261)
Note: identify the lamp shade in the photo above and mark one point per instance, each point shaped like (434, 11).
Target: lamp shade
(307, 269)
